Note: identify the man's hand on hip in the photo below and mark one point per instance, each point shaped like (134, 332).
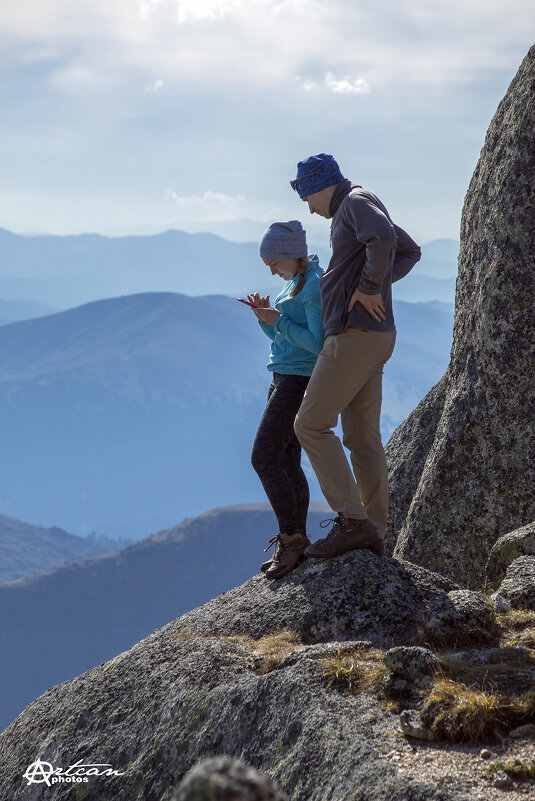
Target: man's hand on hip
(372, 303)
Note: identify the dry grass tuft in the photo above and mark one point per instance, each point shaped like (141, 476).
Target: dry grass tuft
(516, 618)
(455, 638)
(517, 627)
(273, 648)
(183, 636)
(525, 639)
(460, 713)
(277, 646)
(507, 670)
(526, 707)
(475, 700)
(356, 672)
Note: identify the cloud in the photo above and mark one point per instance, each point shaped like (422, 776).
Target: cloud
(262, 43)
(192, 11)
(210, 205)
(209, 197)
(216, 208)
(346, 86)
(79, 76)
(342, 86)
(246, 88)
(307, 84)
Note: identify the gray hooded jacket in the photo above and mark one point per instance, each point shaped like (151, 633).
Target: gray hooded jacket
(369, 253)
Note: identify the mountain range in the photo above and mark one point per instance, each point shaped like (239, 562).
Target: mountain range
(26, 549)
(62, 622)
(65, 271)
(124, 415)
(13, 310)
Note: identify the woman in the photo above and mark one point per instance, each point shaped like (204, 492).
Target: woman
(294, 326)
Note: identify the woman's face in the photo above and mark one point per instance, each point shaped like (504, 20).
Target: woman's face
(286, 268)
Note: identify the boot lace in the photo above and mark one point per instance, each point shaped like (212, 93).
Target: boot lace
(337, 526)
(279, 546)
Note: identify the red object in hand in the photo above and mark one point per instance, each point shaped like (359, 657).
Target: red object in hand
(248, 303)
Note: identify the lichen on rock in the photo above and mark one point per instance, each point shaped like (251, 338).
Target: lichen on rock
(192, 690)
(506, 549)
(461, 466)
(459, 610)
(225, 779)
(411, 662)
(518, 585)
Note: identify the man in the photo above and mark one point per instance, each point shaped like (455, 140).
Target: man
(369, 253)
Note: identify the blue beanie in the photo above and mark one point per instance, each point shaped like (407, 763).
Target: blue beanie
(284, 240)
(316, 173)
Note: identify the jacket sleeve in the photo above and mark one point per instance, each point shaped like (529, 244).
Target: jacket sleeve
(407, 254)
(373, 228)
(311, 336)
(267, 329)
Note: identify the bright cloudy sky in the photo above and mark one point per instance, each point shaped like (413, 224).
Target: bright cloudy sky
(132, 116)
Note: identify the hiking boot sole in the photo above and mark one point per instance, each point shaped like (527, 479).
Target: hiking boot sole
(265, 567)
(272, 575)
(376, 547)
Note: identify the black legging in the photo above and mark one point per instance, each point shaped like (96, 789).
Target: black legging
(276, 454)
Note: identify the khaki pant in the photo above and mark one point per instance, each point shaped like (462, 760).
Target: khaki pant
(347, 380)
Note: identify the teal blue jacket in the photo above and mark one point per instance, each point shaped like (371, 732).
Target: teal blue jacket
(298, 332)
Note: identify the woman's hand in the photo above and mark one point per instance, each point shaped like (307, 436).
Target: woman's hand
(258, 300)
(264, 312)
(267, 315)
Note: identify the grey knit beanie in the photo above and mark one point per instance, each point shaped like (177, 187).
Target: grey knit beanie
(284, 240)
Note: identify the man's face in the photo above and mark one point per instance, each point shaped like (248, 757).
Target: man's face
(319, 202)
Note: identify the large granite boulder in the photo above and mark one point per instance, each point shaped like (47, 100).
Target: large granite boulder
(225, 779)
(411, 669)
(461, 466)
(357, 596)
(518, 585)
(508, 548)
(413, 663)
(461, 611)
(200, 687)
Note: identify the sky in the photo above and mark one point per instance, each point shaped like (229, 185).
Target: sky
(134, 116)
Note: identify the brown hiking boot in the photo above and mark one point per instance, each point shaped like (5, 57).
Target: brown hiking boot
(264, 567)
(290, 550)
(347, 534)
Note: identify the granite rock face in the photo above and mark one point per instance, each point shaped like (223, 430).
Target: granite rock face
(411, 669)
(224, 779)
(411, 725)
(461, 466)
(508, 548)
(357, 596)
(459, 609)
(518, 585)
(195, 689)
(412, 662)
